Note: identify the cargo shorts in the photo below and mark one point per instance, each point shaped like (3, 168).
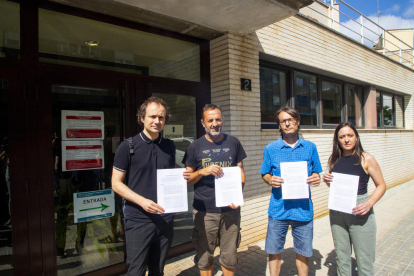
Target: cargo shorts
(216, 229)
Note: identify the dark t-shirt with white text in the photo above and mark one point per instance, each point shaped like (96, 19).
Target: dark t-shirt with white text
(203, 153)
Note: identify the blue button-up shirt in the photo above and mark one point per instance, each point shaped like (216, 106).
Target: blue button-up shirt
(275, 153)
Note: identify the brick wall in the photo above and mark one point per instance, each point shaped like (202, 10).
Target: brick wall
(234, 57)
(303, 41)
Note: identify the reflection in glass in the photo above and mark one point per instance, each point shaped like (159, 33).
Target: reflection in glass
(354, 104)
(86, 246)
(306, 98)
(331, 103)
(6, 249)
(379, 110)
(9, 30)
(70, 40)
(183, 113)
(387, 109)
(272, 92)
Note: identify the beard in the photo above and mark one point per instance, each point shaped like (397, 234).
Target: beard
(213, 134)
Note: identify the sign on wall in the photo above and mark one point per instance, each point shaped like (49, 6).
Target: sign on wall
(173, 132)
(246, 84)
(93, 205)
(82, 125)
(82, 155)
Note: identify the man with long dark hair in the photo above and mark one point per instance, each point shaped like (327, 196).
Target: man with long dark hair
(298, 213)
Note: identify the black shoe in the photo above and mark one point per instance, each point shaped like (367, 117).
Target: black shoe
(60, 253)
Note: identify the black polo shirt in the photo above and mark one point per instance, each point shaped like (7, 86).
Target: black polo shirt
(141, 171)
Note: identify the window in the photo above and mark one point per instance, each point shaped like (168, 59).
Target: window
(9, 30)
(354, 104)
(305, 91)
(379, 110)
(387, 110)
(321, 102)
(390, 110)
(399, 112)
(273, 94)
(64, 39)
(331, 103)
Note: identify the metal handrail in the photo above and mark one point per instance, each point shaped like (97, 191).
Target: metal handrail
(399, 52)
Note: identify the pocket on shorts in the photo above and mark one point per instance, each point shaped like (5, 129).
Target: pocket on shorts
(238, 239)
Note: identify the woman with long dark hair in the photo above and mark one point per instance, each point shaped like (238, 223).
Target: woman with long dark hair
(357, 230)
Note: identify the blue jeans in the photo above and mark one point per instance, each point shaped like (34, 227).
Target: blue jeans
(302, 232)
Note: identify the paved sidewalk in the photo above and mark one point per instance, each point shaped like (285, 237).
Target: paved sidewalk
(395, 244)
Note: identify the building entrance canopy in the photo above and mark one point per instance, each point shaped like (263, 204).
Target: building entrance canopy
(204, 19)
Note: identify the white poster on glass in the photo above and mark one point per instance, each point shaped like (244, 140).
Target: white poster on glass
(82, 125)
(82, 155)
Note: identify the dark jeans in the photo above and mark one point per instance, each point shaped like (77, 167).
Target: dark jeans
(147, 245)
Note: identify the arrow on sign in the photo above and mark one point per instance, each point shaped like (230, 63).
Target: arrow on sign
(103, 206)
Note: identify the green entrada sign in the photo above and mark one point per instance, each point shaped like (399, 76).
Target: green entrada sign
(89, 206)
(103, 206)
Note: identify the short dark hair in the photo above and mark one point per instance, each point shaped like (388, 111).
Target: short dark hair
(289, 110)
(143, 108)
(211, 107)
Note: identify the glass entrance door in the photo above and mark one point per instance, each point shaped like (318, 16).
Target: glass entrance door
(87, 126)
(83, 115)
(83, 120)
(181, 128)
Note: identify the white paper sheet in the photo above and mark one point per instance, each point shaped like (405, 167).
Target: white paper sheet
(172, 190)
(229, 187)
(343, 192)
(294, 175)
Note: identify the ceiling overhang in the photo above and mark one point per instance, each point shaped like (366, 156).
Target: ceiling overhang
(198, 18)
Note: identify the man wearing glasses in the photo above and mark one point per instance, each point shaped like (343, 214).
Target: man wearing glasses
(295, 212)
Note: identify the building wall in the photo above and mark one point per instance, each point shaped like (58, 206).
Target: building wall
(393, 44)
(299, 40)
(303, 41)
(322, 14)
(318, 12)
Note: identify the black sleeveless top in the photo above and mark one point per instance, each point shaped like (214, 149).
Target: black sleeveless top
(347, 165)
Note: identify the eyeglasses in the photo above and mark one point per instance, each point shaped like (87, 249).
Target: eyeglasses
(290, 120)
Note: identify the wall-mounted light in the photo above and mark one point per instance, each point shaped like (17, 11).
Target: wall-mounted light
(92, 43)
